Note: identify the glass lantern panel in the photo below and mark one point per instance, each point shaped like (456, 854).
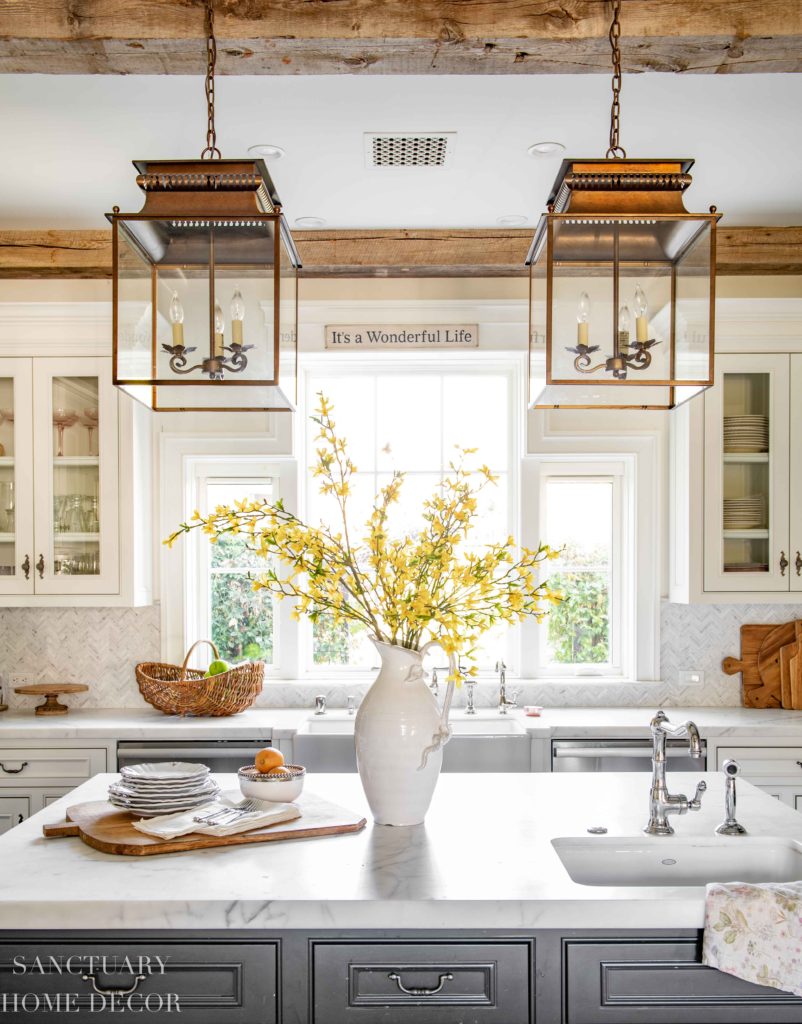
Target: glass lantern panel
(537, 324)
(133, 355)
(692, 307)
(77, 437)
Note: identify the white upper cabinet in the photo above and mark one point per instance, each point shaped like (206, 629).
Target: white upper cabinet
(736, 481)
(72, 489)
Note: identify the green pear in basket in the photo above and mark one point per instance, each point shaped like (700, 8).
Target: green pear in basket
(217, 668)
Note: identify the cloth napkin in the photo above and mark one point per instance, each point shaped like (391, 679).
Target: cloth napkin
(755, 933)
(170, 826)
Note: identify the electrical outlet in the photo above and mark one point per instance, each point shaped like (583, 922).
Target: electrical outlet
(692, 677)
(14, 681)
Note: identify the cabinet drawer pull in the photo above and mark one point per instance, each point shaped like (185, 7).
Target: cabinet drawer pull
(114, 991)
(799, 763)
(14, 771)
(798, 564)
(26, 567)
(783, 563)
(420, 991)
(40, 567)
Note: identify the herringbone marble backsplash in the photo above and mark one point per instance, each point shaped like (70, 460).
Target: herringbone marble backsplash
(100, 646)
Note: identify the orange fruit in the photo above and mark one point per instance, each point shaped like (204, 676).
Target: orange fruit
(267, 759)
(277, 771)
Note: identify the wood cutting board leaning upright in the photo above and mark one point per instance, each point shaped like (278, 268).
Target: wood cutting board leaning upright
(770, 666)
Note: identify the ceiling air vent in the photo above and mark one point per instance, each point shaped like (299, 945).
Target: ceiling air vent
(412, 149)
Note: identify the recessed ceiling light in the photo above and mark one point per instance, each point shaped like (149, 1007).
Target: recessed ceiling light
(511, 220)
(267, 151)
(545, 148)
(309, 222)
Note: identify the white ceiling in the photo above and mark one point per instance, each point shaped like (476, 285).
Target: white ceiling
(69, 141)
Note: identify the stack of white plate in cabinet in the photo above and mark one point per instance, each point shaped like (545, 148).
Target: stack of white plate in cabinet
(746, 434)
(163, 787)
(745, 513)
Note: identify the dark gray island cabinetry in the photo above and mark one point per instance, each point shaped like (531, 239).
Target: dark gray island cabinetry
(379, 977)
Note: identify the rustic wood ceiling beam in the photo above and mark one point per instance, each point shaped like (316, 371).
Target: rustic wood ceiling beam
(393, 252)
(465, 37)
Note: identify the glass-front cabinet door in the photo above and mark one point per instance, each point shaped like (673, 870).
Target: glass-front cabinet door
(75, 440)
(747, 499)
(16, 478)
(795, 542)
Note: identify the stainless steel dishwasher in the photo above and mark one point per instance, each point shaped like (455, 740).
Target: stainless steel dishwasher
(219, 755)
(621, 756)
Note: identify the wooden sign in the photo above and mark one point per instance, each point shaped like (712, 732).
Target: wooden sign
(394, 337)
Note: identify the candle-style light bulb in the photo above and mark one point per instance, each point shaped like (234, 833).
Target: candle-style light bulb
(176, 314)
(624, 323)
(237, 316)
(219, 327)
(641, 308)
(582, 318)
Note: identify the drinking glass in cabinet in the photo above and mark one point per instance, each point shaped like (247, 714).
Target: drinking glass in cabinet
(8, 560)
(76, 476)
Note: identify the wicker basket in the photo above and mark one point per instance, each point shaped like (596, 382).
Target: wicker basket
(178, 690)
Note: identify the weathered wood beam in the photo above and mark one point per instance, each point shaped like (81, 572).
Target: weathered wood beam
(395, 252)
(288, 37)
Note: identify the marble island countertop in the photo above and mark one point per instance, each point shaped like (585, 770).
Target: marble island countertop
(283, 723)
(483, 859)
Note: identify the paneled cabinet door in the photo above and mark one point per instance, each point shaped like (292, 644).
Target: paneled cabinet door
(75, 477)
(13, 811)
(16, 478)
(795, 546)
(746, 475)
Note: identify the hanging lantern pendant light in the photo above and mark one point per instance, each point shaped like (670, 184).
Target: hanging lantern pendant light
(614, 226)
(206, 225)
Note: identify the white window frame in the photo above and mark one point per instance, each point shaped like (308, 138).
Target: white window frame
(511, 364)
(536, 473)
(183, 461)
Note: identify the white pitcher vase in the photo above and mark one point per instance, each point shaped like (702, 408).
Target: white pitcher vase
(399, 734)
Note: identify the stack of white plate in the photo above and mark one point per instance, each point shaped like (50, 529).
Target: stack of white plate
(745, 513)
(746, 433)
(163, 787)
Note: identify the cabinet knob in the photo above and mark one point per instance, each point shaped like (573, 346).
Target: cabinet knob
(783, 563)
(26, 567)
(40, 567)
(798, 564)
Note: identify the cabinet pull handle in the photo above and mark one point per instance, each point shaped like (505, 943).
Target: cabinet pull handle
(114, 991)
(420, 991)
(783, 563)
(26, 567)
(799, 763)
(40, 567)
(20, 819)
(798, 564)
(14, 771)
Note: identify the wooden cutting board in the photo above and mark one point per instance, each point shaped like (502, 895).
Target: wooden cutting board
(769, 659)
(106, 828)
(755, 694)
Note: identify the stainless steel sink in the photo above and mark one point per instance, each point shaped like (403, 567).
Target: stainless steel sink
(673, 860)
(484, 743)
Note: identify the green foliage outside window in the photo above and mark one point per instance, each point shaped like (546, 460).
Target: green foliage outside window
(579, 627)
(242, 619)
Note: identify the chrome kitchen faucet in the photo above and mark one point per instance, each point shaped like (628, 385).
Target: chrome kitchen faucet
(661, 802)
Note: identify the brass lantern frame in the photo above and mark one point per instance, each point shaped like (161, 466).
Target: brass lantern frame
(206, 194)
(614, 193)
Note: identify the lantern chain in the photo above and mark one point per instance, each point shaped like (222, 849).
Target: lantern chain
(211, 152)
(616, 151)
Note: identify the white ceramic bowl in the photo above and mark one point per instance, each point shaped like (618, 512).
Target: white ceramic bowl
(281, 786)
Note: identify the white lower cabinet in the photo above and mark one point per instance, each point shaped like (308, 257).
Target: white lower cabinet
(777, 770)
(32, 777)
(13, 811)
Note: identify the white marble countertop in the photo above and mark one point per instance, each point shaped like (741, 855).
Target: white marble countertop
(283, 723)
(483, 859)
